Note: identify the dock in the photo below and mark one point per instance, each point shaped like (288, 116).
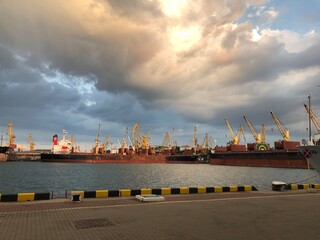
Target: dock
(231, 215)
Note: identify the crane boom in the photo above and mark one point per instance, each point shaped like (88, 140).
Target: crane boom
(235, 138)
(241, 132)
(205, 142)
(282, 129)
(166, 141)
(314, 118)
(254, 132)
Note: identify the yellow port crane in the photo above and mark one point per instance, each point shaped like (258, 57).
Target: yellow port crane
(140, 141)
(136, 136)
(235, 137)
(105, 144)
(205, 142)
(75, 147)
(31, 143)
(241, 132)
(315, 120)
(282, 129)
(173, 141)
(11, 135)
(259, 137)
(166, 142)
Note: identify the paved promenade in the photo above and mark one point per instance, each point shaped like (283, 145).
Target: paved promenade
(246, 215)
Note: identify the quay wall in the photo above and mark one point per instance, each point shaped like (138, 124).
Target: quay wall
(22, 197)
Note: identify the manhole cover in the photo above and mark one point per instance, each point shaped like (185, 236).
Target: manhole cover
(93, 223)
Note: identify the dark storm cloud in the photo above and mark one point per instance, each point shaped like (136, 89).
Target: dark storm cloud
(145, 64)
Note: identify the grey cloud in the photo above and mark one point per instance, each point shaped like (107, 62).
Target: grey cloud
(138, 76)
(138, 10)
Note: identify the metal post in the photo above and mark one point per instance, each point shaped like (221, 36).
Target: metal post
(310, 135)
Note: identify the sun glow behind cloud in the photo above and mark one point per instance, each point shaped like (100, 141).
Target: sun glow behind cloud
(184, 38)
(173, 8)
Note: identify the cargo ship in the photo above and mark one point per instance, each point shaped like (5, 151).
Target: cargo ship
(269, 158)
(63, 151)
(312, 154)
(197, 158)
(284, 155)
(4, 149)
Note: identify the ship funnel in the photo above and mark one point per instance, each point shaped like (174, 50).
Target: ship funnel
(55, 140)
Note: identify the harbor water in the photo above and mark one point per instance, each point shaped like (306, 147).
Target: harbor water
(18, 177)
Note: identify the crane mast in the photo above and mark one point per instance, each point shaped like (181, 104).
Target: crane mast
(31, 143)
(10, 134)
(195, 139)
(282, 129)
(241, 132)
(124, 142)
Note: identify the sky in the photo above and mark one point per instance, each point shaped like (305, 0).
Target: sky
(168, 65)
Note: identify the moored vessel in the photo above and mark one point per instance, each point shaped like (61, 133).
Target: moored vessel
(312, 154)
(64, 151)
(311, 149)
(196, 158)
(270, 158)
(4, 149)
(259, 154)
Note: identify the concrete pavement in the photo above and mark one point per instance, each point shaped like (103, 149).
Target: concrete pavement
(239, 215)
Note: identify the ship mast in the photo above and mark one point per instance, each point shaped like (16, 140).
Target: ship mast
(195, 139)
(96, 148)
(310, 134)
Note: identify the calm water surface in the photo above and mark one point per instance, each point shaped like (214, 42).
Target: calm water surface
(18, 177)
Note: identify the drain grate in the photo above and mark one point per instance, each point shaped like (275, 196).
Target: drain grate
(93, 223)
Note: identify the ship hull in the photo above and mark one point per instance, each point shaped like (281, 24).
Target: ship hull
(278, 159)
(107, 158)
(4, 153)
(312, 155)
(4, 149)
(188, 158)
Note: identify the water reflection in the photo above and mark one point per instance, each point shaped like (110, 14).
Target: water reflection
(46, 177)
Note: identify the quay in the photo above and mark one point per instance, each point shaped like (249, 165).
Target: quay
(231, 215)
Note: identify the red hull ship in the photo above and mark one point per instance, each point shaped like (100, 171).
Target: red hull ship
(280, 159)
(64, 152)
